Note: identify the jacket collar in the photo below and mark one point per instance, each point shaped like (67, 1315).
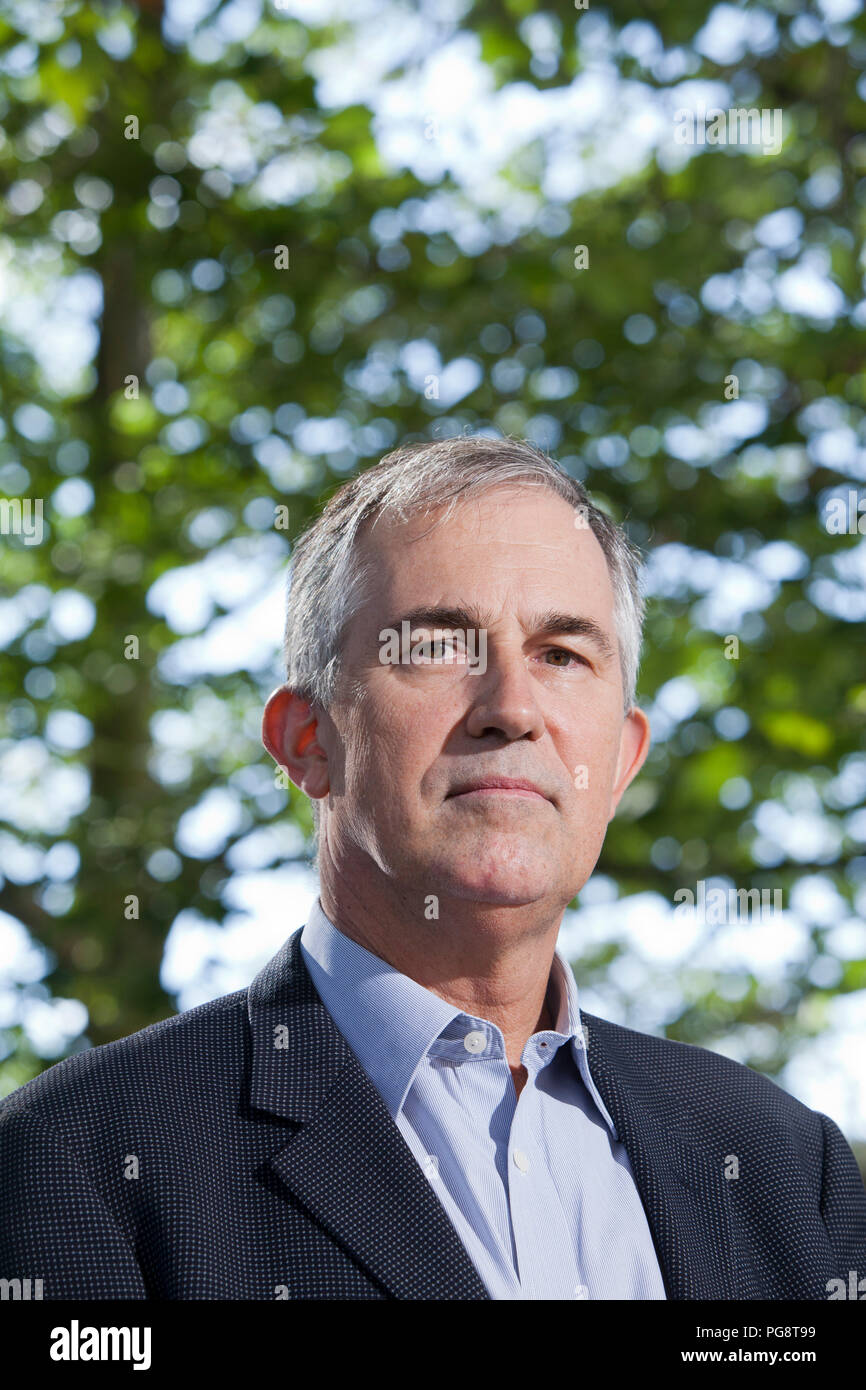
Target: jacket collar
(347, 1143)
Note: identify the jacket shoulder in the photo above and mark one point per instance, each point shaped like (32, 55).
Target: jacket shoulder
(700, 1078)
(176, 1062)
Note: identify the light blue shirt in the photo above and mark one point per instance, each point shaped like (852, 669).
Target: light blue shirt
(537, 1186)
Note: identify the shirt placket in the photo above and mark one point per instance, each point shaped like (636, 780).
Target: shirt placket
(542, 1236)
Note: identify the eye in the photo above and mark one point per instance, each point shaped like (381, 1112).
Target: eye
(563, 651)
(440, 649)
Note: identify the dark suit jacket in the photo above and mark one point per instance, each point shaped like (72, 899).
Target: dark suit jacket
(269, 1167)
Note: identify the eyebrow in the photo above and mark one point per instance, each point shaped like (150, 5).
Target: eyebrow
(553, 621)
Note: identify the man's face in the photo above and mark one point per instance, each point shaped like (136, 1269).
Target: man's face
(405, 740)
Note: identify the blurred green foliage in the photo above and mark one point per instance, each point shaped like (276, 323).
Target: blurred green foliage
(177, 228)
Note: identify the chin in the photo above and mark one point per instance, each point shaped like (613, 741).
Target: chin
(485, 896)
(511, 877)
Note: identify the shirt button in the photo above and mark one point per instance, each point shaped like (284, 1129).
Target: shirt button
(431, 1167)
(475, 1041)
(521, 1160)
(581, 1291)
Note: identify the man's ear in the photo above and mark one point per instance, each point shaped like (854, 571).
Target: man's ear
(289, 734)
(634, 744)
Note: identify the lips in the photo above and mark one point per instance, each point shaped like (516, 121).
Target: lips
(498, 784)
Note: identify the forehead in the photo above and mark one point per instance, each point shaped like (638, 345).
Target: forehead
(508, 540)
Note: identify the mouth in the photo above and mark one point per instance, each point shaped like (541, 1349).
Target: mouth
(498, 786)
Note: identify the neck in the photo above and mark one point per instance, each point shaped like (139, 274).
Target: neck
(489, 961)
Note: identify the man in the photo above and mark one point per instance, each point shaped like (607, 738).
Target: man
(406, 1102)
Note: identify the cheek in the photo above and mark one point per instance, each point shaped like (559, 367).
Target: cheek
(590, 741)
(382, 750)
(590, 773)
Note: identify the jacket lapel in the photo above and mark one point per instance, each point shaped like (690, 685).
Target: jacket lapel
(347, 1162)
(680, 1178)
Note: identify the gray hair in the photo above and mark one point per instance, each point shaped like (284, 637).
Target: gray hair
(328, 581)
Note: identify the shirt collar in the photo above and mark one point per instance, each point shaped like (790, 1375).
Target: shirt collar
(391, 1022)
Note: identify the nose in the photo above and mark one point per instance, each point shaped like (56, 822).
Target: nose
(505, 700)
